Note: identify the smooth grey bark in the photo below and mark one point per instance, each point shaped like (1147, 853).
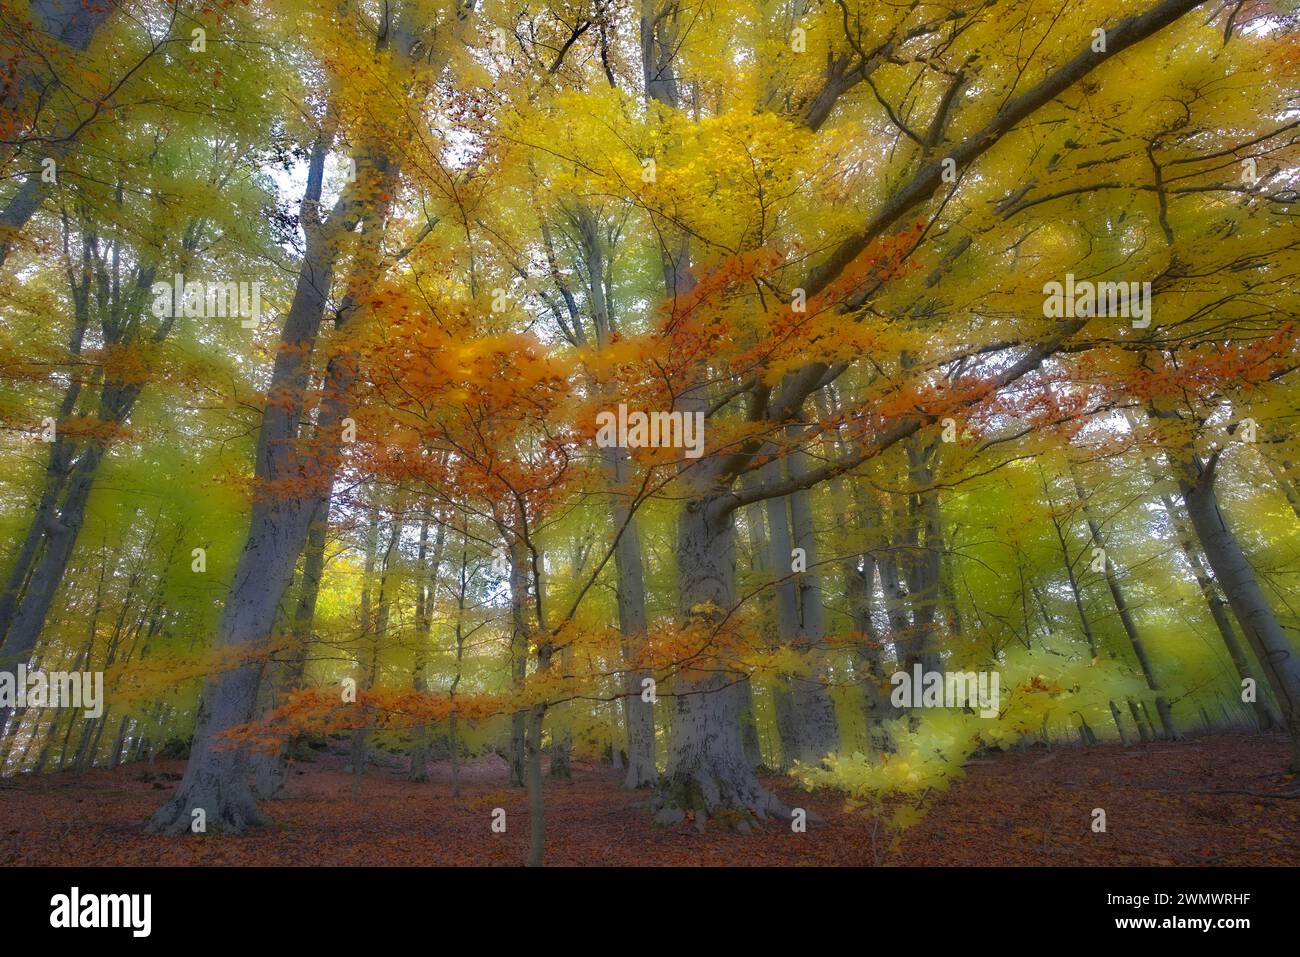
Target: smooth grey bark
(787, 614)
(890, 563)
(629, 562)
(562, 739)
(418, 770)
(47, 573)
(859, 594)
(22, 205)
(805, 712)
(818, 731)
(216, 778)
(57, 467)
(745, 714)
(629, 569)
(270, 771)
(1234, 572)
(534, 716)
(1266, 715)
(365, 671)
(761, 567)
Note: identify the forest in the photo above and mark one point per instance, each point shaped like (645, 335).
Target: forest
(832, 432)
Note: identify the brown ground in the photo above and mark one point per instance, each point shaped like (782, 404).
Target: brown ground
(1203, 801)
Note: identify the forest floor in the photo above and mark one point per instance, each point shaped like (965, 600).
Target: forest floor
(1216, 799)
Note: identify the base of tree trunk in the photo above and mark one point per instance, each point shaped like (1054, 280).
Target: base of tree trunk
(419, 769)
(639, 776)
(733, 799)
(226, 810)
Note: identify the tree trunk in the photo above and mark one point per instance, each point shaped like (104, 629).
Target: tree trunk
(518, 666)
(818, 733)
(216, 778)
(1126, 619)
(426, 593)
(1234, 572)
(1265, 713)
(708, 773)
(271, 771)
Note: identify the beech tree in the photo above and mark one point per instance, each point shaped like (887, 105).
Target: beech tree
(672, 386)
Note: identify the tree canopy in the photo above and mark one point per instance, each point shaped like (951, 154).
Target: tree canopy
(672, 385)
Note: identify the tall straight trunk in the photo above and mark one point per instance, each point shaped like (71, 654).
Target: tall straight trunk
(869, 666)
(761, 567)
(629, 568)
(84, 659)
(77, 663)
(534, 714)
(1234, 572)
(30, 592)
(518, 665)
(366, 657)
(216, 777)
(1267, 716)
(1076, 593)
(271, 770)
(562, 739)
(629, 563)
(57, 469)
(376, 629)
(1126, 617)
(891, 563)
(818, 733)
(453, 746)
(926, 561)
(748, 719)
(785, 703)
(47, 573)
(426, 594)
(418, 771)
(805, 712)
(533, 768)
